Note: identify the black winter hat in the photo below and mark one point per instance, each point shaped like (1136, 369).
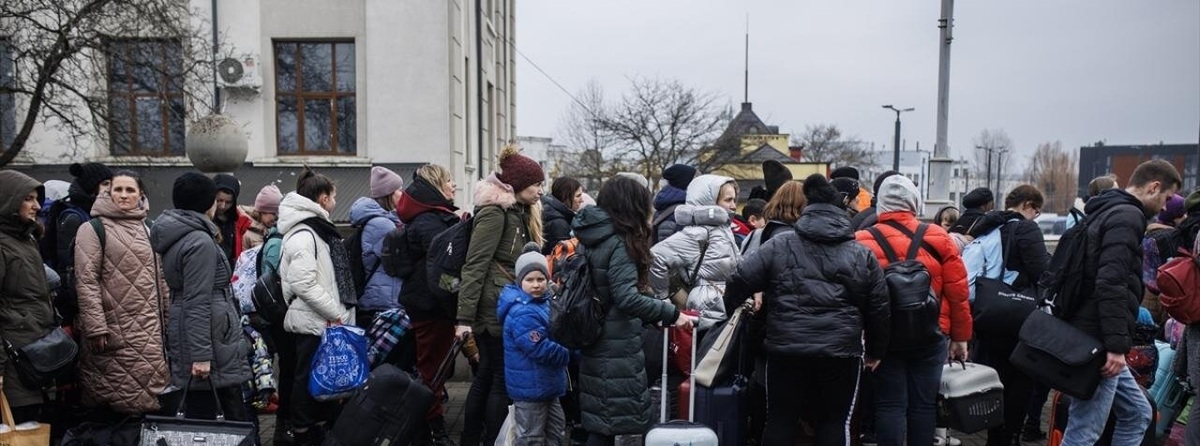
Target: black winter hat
(679, 176)
(879, 180)
(89, 175)
(194, 191)
(844, 172)
(846, 185)
(775, 174)
(977, 198)
(228, 183)
(818, 190)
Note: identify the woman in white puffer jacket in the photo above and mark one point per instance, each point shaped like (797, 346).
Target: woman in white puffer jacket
(705, 219)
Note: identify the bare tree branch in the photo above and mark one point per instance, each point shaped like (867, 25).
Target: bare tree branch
(824, 143)
(1054, 171)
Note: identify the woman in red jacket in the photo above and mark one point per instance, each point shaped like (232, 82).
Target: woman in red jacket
(908, 377)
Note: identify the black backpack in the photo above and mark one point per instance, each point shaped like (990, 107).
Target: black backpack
(1065, 275)
(397, 262)
(268, 291)
(577, 313)
(445, 259)
(915, 307)
(358, 270)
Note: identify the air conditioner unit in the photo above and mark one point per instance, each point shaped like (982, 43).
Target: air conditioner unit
(239, 72)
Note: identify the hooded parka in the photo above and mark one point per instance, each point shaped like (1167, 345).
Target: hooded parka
(701, 222)
(122, 298)
(306, 271)
(500, 233)
(203, 322)
(382, 291)
(26, 313)
(613, 396)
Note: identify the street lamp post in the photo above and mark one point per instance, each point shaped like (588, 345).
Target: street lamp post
(896, 139)
(988, 182)
(1000, 170)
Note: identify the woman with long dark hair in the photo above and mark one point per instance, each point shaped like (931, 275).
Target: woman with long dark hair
(614, 399)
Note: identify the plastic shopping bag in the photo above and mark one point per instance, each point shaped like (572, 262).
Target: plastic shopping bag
(340, 364)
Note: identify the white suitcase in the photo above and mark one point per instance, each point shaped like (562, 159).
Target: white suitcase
(971, 397)
(679, 432)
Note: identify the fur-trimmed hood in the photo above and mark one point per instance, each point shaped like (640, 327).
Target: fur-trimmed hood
(491, 191)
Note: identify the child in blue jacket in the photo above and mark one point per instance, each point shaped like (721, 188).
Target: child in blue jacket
(535, 367)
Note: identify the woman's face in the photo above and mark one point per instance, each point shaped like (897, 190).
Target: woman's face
(1028, 211)
(125, 193)
(577, 199)
(448, 189)
(328, 201)
(530, 195)
(30, 206)
(727, 198)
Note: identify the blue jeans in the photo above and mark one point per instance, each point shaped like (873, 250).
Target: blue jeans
(1120, 394)
(906, 388)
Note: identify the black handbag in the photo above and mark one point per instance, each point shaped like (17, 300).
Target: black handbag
(1055, 353)
(180, 431)
(41, 361)
(999, 311)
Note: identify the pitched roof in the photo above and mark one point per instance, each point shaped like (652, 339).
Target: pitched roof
(766, 153)
(748, 123)
(351, 182)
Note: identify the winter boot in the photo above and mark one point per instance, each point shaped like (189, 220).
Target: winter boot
(438, 434)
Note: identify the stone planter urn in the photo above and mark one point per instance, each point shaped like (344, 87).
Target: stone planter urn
(217, 144)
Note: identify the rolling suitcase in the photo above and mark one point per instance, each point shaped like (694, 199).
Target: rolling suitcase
(390, 409)
(971, 398)
(679, 432)
(1168, 392)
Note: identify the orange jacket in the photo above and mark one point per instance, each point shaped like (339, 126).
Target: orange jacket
(949, 278)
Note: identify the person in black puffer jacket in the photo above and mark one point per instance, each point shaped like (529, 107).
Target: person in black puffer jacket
(558, 209)
(1107, 304)
(673, 194)
(426, 209)
(821, 292)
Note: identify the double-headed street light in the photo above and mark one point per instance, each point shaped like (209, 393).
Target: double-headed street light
(896, 140)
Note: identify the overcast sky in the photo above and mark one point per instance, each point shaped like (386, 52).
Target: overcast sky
(1081, 71)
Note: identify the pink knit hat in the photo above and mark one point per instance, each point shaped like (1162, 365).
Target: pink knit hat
(384, 182)
(267, 201)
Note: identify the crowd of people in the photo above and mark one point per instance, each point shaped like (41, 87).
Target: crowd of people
(826, 347)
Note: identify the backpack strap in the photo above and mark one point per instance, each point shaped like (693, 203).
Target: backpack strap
(924, 243)
(914, 246)
(696, 269)
(666, 213)
(883, 244)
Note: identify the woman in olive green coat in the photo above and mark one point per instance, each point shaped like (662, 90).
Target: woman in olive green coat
(507, 216)
(26, 313)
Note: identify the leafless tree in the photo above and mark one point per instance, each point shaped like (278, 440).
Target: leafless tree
(63, 51)
(591, 154)
(1000, 146)
(1054, 171)
(659, 122)
(825, 143)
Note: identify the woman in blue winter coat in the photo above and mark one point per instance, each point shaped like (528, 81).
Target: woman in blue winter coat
(535, 366)
(376, 216)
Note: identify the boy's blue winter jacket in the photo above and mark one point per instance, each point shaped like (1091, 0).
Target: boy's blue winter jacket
(535, 367)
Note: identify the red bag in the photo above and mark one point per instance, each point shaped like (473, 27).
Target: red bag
(680, 347)
(1179, 287)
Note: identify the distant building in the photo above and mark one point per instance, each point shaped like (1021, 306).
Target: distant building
(1099, 160)
(759, 142)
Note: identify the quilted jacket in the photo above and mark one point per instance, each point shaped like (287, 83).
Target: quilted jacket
(306, 270)
(123, 298)
(535, 367)
(203, 321)
(676, 257)
(383, 290)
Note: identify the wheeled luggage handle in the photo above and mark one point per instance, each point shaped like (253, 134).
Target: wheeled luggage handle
(663, 400)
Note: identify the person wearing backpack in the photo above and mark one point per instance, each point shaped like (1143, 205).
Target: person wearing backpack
(907, 380)
(66, 216)
(672, 194)
(704, 253)
(26, 313)
(265, 214)
(507, 216)
(374, 218)
(122, 303)
(870, 215)
(427, 208)
(282, 343)
(317, 284)
(1106, 305)
(1160, 243)
(205, 344)
(825, 305)
(614, 398)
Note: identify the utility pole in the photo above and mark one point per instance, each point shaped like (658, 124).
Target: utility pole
(987, 183)
(999, 171)
(941, 165)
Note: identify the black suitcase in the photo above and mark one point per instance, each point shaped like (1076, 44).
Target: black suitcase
(390, 409)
